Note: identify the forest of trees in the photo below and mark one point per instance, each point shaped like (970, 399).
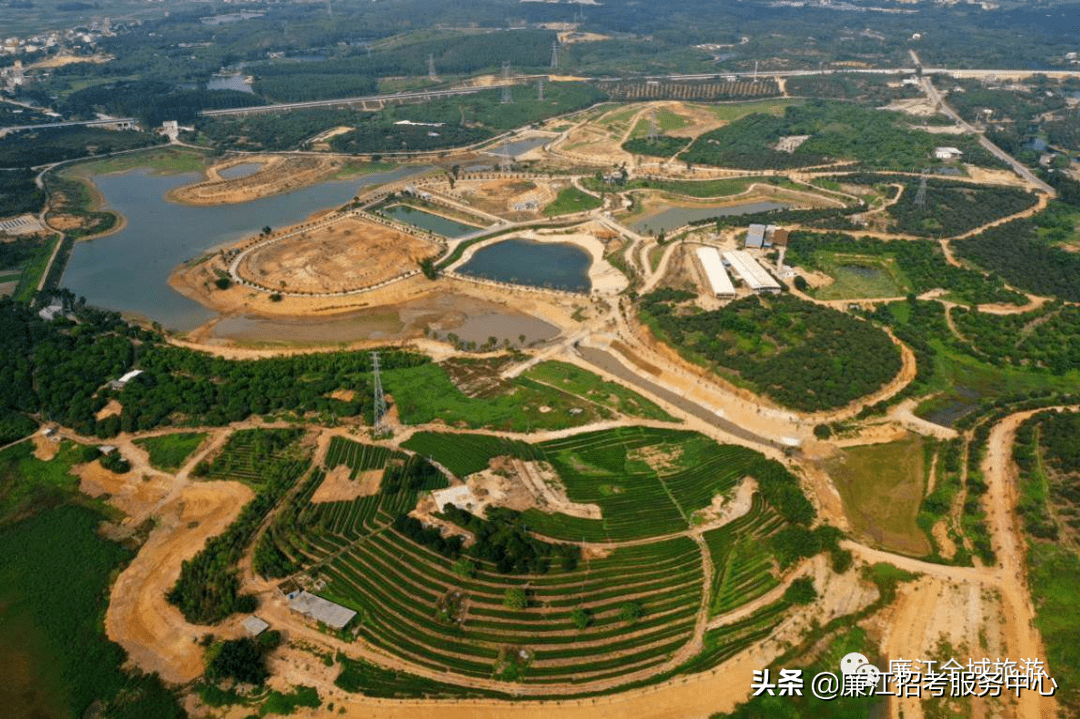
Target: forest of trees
(1016, 251)
(41, 147)
(59, 370)
(1047, 339)
(838, 131)
(502, 539)
(19, 194)
(800, 354)
(923, 263)
(152, 101)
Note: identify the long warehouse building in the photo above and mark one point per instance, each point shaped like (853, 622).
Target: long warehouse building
(709, 257)
(750, 272)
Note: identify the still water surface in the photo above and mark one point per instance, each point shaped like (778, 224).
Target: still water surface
(558, 265)
(678, 216)
(128, 271)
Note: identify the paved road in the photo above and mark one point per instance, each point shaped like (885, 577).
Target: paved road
(936, 99)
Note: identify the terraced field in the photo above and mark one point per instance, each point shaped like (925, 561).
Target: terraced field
(626, 609)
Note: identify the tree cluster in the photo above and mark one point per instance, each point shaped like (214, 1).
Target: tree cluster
(803, 355)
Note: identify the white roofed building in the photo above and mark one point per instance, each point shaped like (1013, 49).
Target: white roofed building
(719, 282)
(750, 272)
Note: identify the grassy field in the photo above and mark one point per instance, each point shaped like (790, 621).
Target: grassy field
(571, 200)
(169, 451)
(33, 270)
(163, 160)
(426, 393)
(583, 383)
(731, 111)
(666, 121)
(27, 484)
(858, 276)
(881, 486)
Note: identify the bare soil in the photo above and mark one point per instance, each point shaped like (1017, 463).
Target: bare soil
(348, 254)
(278, 174)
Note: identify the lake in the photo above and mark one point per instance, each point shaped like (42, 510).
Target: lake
(678, 216)
(557, 265)
(428, 221)
(128, 271)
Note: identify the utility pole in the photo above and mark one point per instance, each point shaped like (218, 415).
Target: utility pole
(380, 397)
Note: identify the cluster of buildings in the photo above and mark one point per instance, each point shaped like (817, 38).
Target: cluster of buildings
(764, 236)
(742, 263)
(59, 40)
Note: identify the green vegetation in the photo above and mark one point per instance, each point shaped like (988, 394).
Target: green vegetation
(24, 259)
(1046, 339)
(162, 160)
(426, 393)
(1048, 454)
(802, 355)
(688, 188)
(807, 706)
(374, 681)
(882, 487)
(19, 193)
(1016, 251)
(207, 590)
(524, 591)
(41, 147)
(169, 451)
(53, 593)
(582, 383)
(955, 208)
(838, 131)
(661, 146)
(282, 703)
(249, 452)
(905, 266)
(571, 200)
(743, 558)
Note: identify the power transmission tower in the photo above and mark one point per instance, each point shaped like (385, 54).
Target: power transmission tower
(920, 196)
(507, 98)
(329, 9)
(380, 397)
(431, 68)
(652, 127)
(540, 89)
(554, 54)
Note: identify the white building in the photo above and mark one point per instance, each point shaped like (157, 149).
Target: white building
(947, 153)
(709, 257)
(750, 272)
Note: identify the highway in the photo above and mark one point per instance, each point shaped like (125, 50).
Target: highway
(936, 100)
(470, 90)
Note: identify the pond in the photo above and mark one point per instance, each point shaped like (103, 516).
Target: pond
(128, 271)
(229, 82)
(518, 147)
(242, 170)
(557, 265)
(428, 221)
(678, 216)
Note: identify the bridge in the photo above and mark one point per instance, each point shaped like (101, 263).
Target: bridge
(117, 123)
(349, 101)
